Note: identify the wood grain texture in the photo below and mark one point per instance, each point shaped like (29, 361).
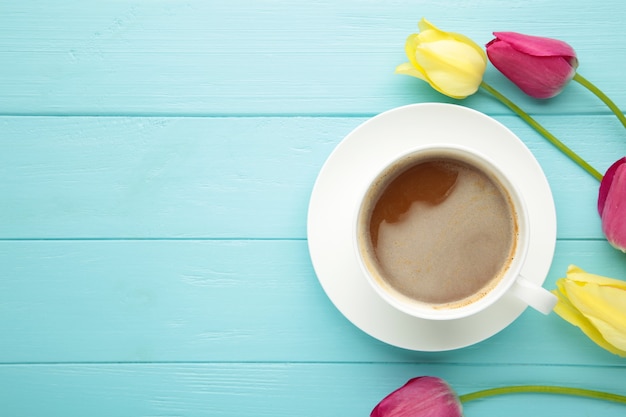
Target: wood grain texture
(156, 162)
(177, 301)
(91, 177)
(271, 57)
(281, 389)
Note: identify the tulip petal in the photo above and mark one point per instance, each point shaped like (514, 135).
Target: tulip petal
(607, 180)
(451, 63)
(412, 41)
(614, 214)
(467, 41)
(596, 305)
(566, 310)
(408, 69)
(602, 306)
(425, 25)
(577, 274)
(452, 67)
(612, 204)
(422, 396)
(539, 77)
(432, 33)
(536, 45)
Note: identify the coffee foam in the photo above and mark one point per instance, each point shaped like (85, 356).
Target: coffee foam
(449, 254)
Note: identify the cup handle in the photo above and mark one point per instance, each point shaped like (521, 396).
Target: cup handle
(534, 295)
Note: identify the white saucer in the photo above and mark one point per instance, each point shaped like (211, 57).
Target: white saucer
(334, 199)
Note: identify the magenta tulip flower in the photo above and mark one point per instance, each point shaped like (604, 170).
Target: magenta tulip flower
(429, 396)
(612, 204)
(540, 67)
(425, 396)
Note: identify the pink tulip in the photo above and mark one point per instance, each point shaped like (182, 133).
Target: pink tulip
(612, 204)
(425, 396)
(540, 67)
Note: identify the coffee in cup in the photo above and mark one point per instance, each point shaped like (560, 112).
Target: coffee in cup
(441, 234)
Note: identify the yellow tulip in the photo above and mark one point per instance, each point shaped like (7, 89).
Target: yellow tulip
(595, 304)
(450, 62)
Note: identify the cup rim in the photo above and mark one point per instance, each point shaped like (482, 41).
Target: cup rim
(500, 288)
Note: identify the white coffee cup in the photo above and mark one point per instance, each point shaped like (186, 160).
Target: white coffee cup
(418, 261)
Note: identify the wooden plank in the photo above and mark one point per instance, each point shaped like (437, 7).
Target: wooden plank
(271, 389)
(147, 301)
(89, 177)
(270, 57)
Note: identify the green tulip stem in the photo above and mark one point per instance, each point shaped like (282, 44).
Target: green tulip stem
(543, 389)
(595, 90)
(539, 128)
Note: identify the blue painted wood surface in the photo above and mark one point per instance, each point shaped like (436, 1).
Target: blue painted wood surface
(156, 161)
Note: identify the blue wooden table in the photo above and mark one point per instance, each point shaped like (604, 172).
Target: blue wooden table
(156, 163)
